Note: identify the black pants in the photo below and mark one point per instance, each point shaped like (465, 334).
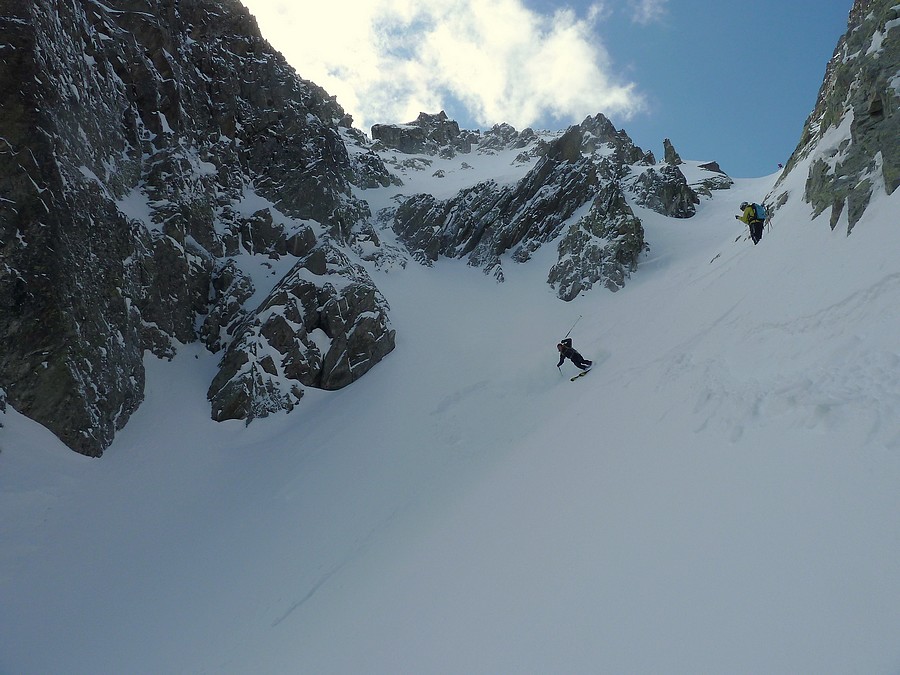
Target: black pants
(580, 361)
(756, 230)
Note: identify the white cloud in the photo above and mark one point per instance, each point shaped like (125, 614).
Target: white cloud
(388, 60)
(647, 11)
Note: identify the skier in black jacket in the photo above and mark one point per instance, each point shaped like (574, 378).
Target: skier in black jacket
(566, 351)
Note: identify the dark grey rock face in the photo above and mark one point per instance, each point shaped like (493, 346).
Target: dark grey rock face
(230, 290)
(71, 334)
(428, 134)
(665, 191)
(860, 91)
(166, 177)
(715, 179)
(504, 136)
(670, 156)
(315, 329)
(604, 246)
(147, 142)
(429, 227)
(483, 223)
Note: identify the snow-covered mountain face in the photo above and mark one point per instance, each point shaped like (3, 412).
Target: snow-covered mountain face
(721, 489)
(850, 146)
(169, 179)
(571, 189)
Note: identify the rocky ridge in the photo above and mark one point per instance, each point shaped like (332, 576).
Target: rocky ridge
(591, 166)
(850, 145)
(161, 162)
(168, 178)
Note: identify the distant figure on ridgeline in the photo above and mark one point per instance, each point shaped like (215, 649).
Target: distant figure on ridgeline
(753, 215)
(566, 351)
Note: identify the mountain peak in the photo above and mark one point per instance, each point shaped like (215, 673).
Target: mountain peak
(850, 145)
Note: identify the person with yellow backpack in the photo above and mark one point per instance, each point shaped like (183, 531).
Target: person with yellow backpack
(753, 215)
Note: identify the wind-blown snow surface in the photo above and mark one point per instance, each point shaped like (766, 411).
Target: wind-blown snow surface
(721, 494)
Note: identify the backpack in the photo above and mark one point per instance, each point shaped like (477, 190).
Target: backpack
(760, 211)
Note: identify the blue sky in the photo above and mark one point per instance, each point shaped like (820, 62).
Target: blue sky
(727, 80)
(724, 80)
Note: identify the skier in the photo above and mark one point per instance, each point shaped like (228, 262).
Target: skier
(749, 216)
(566, 351)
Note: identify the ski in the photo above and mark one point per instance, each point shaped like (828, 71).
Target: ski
(581, 374)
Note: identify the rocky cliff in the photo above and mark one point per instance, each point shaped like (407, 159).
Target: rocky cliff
(167, 177)
(850, 144)
(591, 168)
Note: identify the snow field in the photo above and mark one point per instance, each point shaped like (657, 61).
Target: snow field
(718, 495)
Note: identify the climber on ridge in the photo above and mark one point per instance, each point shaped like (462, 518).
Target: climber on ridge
(753, 215)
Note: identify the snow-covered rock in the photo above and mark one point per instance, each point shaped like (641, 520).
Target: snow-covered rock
(428, 134)
(664, 189)
(850, 146)
(171, 179)
(324, 325)
(603, 246)
(670, 155)
(152, 157)
(576, 192)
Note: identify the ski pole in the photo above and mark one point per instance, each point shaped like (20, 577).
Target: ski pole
(573, 326)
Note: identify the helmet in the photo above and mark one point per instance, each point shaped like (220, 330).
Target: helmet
(744, 205)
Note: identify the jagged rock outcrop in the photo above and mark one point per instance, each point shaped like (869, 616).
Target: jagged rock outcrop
(314, 329)
(718, 180)
(505, 136)
(851, 140)
(598, 133)
(670, 156)
(486, 221)
(146, 142)
(711, 166)
(166, 177)
(230, 288)
(367, 168)
(427, 135)
(665, 190)
(603, 246)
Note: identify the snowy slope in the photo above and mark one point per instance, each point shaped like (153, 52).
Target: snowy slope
(719, 495)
